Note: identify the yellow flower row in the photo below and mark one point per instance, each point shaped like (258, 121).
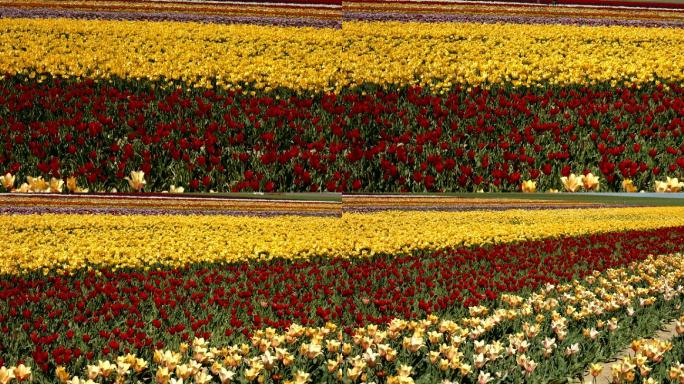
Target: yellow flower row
(298, 58)
(441, 54)
(460, 53)
(67, 242)
(536, 327)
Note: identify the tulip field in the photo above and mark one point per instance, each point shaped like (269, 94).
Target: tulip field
(303, 192)
(382, 106)
(367, 288)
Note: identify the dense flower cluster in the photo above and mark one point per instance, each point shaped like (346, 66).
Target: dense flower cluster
(523, 338)
(68, 242)
(175, 288)
(410, 139)
(442, 55)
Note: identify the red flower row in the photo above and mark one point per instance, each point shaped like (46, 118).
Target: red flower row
(404, 140)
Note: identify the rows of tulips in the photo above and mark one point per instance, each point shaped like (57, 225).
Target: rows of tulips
(94, 136)
(390, 54)
(552, 332)
(90, 315)
(66, 243)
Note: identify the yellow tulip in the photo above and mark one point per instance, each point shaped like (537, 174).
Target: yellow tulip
(137, 180)
(572, 183)
(628, 186)
(162, 376)
(37, 184)
(529, 186)
(139, 365)
(6, 375)
(71, 184)
(56, 185)
(22, 372)
(61, 374)
(73, 187)
(252, 373)
(183, 371)
(93, 371)
(630, 376)
(202, 377)
(175, 189)
(7, 181)
(331, 365)
(674, 185)
(24, 188)
(591, 182)
(661, 186)
(301, 377)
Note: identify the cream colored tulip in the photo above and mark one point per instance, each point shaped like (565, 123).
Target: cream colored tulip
(183, 371)
(301, 377)
(225, 375)
(22, 372)
(573, 182)
(162, 376)
(56, 185)
(203, 377)
(37, 184)
(660, 186)
(93, 371)
(137, 180)
(175, 189)
(6, 375)
(24, 188)
(674, 185)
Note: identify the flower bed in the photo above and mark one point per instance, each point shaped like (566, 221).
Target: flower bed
(554, 331)
(407, 140)
(69, 242)
(361, 53)
(171, 288)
